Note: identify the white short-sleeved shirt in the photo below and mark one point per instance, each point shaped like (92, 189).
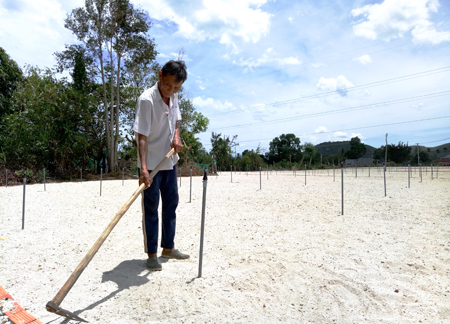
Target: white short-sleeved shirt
(157, 121)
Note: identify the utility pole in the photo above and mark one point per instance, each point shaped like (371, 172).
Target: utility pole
(235, 155)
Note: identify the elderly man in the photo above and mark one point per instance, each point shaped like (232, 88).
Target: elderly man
(156, 126)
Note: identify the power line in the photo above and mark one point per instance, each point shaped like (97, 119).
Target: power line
(441, 140)
(324, 94)
(348, 129)
(339, 111)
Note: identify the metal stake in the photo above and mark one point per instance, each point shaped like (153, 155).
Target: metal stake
(202, 232)
(342, 186)
(190, 192)
(101, 176)
(23, 207)
(409, 176)
(260, 186)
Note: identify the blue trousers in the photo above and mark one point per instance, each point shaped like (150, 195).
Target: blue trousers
(164, 182)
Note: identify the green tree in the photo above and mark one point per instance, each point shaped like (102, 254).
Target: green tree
(221, 149)
(192, 123)
(310, 152)
(286, 147)
(10, 79)
(423, 156)
(115, 36)
(357, 149)
(44, 128)
(378, 154)
(398, 153)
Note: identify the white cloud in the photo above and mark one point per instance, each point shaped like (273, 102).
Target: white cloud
(364, 59)
(211, 103)
(340, 84)
(213, 19)
(200, 84)
(33, 22)
(321, 129)
(342, 136)
(316, 65)
(393, 18)
(269, 57)
(291, 19)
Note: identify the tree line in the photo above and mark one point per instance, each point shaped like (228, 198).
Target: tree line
(287, 151)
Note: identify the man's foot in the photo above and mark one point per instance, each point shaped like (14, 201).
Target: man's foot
(154, 264)
(175, 254)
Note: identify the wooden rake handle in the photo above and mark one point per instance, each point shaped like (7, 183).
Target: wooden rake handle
(84, 263)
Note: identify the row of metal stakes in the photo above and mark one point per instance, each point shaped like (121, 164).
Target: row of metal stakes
(205, 182)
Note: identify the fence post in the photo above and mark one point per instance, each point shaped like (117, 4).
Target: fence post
(6, 178)
(101, 176)
(260, 186)
(409, 170)
(342, 186)
(45, 189)
(305, 174)
(384, 172)
(23, 206)
(202, 231)
(190, 191)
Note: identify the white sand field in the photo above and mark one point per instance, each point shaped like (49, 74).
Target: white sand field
(281, 254)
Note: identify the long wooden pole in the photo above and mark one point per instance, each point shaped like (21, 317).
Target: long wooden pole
(90, 255)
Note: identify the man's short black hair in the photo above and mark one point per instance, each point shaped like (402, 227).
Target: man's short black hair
(176, 68)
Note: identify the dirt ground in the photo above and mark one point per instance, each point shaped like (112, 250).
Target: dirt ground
(281, 254)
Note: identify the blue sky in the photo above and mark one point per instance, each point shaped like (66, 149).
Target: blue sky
(323, 70)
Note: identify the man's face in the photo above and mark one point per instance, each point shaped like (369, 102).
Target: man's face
(169, 85)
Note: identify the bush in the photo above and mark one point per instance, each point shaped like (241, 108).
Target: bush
(29, 172)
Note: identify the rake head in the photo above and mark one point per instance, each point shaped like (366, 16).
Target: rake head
(53, 308)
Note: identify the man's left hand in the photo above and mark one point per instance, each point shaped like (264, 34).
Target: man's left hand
(176, 144)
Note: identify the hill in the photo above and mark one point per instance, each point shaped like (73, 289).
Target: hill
(333, 148)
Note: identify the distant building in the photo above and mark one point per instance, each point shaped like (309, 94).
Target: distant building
(358, 162)
(445, 160)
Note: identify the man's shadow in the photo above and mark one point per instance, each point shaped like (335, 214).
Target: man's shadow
(126, 275)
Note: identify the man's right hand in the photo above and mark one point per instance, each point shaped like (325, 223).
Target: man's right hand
(145, 178)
